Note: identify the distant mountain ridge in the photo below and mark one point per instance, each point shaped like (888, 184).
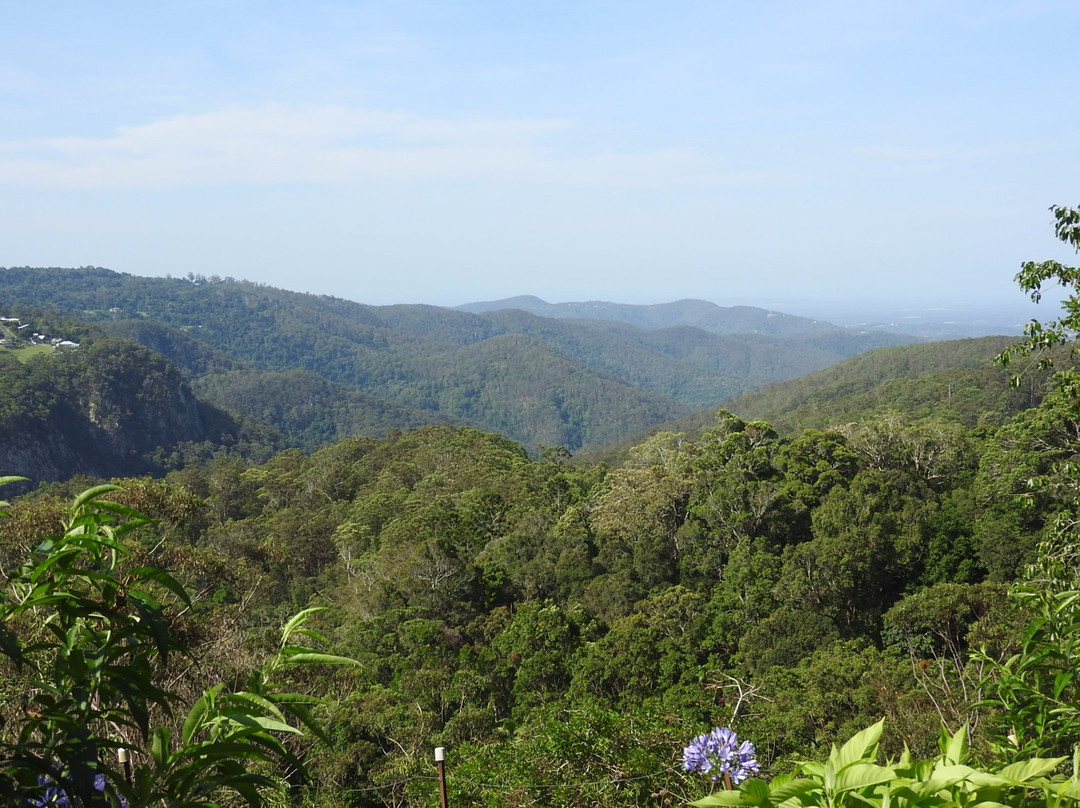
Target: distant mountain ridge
(540, 380)
(688, 312)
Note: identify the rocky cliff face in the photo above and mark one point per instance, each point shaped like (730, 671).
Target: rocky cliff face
(113, 408)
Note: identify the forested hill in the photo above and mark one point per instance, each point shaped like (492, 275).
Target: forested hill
(106, 406)
(955, 380)
(538, 380)
(695, 313)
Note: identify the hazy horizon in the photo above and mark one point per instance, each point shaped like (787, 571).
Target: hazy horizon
(433, 152)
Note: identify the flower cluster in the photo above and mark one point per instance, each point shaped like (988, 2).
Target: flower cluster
(720, 753)
(53, 796)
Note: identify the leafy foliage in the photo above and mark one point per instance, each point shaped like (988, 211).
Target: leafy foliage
(89, 634)
(543, 381)
(852, 777)
(561, 625)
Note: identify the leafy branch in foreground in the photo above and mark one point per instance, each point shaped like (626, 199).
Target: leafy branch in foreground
(1033, 275)
(851, 777)
(87, 633)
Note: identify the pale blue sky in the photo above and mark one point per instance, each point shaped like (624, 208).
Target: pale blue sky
(777, 153)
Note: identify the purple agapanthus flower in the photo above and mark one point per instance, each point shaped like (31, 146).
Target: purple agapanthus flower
(53, 796)
(718, 753)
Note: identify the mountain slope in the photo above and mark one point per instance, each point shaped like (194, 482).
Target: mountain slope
(956, 380)
(107, 408)
(696, 314)
(410, 360)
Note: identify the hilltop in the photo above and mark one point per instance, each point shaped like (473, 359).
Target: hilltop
(350, 367)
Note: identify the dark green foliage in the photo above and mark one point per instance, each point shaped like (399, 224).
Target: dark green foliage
(111, 407)
(543, 381)
(955, 381)
(308, 410)
(564, 627)
(88, 633)
(750, 577)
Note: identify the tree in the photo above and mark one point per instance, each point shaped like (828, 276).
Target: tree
(87, 633)
(1041, 337)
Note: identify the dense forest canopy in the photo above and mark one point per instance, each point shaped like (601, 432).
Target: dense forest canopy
(526, 613)
(565, 628)
(542, 381)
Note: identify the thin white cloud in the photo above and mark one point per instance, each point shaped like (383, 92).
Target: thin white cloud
(340, 146)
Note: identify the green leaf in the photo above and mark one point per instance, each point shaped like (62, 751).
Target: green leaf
(728, 798)
(91, 494)
(297, 620)
(1061, 681)
(1026, 770)
(159, 747)
(244, 698)
(860, 746)
(955, 749)
(261, 722)
(308, 720)
(154, 619)
(194, 718)
(861, 775)
(953, 772)
(122, 510)
(785, 787)
(321, 659)
(755, 791)
(163, 578)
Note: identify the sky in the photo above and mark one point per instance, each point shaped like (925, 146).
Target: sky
(785, 154)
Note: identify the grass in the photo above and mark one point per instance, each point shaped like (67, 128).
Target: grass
(24, 354)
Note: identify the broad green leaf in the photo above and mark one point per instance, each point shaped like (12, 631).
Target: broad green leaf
(790, 787)
(321, 659)
(727, 798)
(161, 577)
(289, 699)
(195, 716)
(91, 494)
(1025, 770)
(860, 746)
(953, 772)
(296, 620)
(261, 722)
(755, 791)
(159, 747)
(1061, 681)
(300, 711)
(860, 775)
(222, 750)
(154, 619)
(955, 750)
(1069, 789)
(254, 699)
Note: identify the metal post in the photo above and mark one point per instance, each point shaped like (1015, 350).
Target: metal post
(125, 760)
(440, 757)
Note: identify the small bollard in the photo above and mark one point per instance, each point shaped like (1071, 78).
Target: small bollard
(440, 757)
